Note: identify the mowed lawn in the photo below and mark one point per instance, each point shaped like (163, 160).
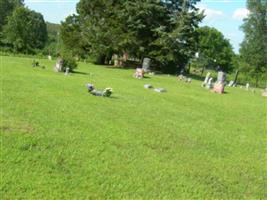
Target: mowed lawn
(59, 142)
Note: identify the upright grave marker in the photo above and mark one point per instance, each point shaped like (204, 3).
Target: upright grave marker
(219, 85)
(146, 64)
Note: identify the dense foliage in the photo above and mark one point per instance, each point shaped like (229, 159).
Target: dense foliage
(6, 9)
(68, 62)
(26, 30)
(53, 43)
(215, 51)
(162, 30)
(254, 47)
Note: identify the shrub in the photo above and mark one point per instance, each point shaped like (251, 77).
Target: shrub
(69, 62)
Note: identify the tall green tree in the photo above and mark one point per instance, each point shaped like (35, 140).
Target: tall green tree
(214, 50)
(72, 36)
(6, 9)
(26, 30)
(100, 26)
(160, 29)
(254, 47)
(178, 43)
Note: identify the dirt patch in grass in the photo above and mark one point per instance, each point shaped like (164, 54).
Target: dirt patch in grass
(15, 126)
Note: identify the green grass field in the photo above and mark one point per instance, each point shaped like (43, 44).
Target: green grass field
(59, 142)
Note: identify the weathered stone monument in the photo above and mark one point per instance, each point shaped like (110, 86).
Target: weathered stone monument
(209, 85)
(160, 90)
(125, 57)
(219, 85)
(116, 60)
(231, 84)
(105, 93)
(247, 86)
(59, 65)
(146, 64)
(139, 73)
(49, 57)
(206, 80)
(67, 71)
(148, 86)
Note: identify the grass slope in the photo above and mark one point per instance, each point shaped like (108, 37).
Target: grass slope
(59, 142)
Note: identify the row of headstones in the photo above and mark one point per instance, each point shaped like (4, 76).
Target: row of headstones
(219, 85)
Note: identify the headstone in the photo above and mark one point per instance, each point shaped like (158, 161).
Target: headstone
(125, 57)
(247, 86)
(231, 84)
(67, 71)
(116, 60)
(59, 65)
(148, 86)
(218, 88)
(49, 57)
(221, 77)
(219, 85)
(139, 73)
(146, 64)
(160, 90)
(209, 84)
(264, 93)
(206, 79)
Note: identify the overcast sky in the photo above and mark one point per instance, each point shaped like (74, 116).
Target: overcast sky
(225, 15)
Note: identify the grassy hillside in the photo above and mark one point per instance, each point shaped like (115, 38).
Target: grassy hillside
(59, 142)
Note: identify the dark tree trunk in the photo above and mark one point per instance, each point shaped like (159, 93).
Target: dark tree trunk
(236, 76)
(257, 81)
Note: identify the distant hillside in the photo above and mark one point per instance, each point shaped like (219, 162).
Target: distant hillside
(52, 28)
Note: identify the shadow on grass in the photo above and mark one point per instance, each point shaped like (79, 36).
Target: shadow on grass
(81, 73)
(122, 68)
(196, 77)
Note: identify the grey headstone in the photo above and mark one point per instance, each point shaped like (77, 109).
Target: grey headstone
(146, 64)
(59, 65)
(148, 86)
(67, 71)
(231, 84)
(160, 90)
(221, 77)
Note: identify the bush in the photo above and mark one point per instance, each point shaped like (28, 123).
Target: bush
(69, 62)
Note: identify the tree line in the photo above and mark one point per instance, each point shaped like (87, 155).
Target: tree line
(167, 31)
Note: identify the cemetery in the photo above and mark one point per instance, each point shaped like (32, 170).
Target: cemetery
(187, 139)
(133, 99)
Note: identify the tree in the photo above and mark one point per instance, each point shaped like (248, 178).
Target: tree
(162, 30)
(177, 44)
(26, 30)
(71, 35)
(100, 26)
(53, 42)
(214, 50)
(6, 9)
(254, 47)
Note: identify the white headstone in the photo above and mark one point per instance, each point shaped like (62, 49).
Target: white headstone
(247, 86)
(67, 71)
(206, 80)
